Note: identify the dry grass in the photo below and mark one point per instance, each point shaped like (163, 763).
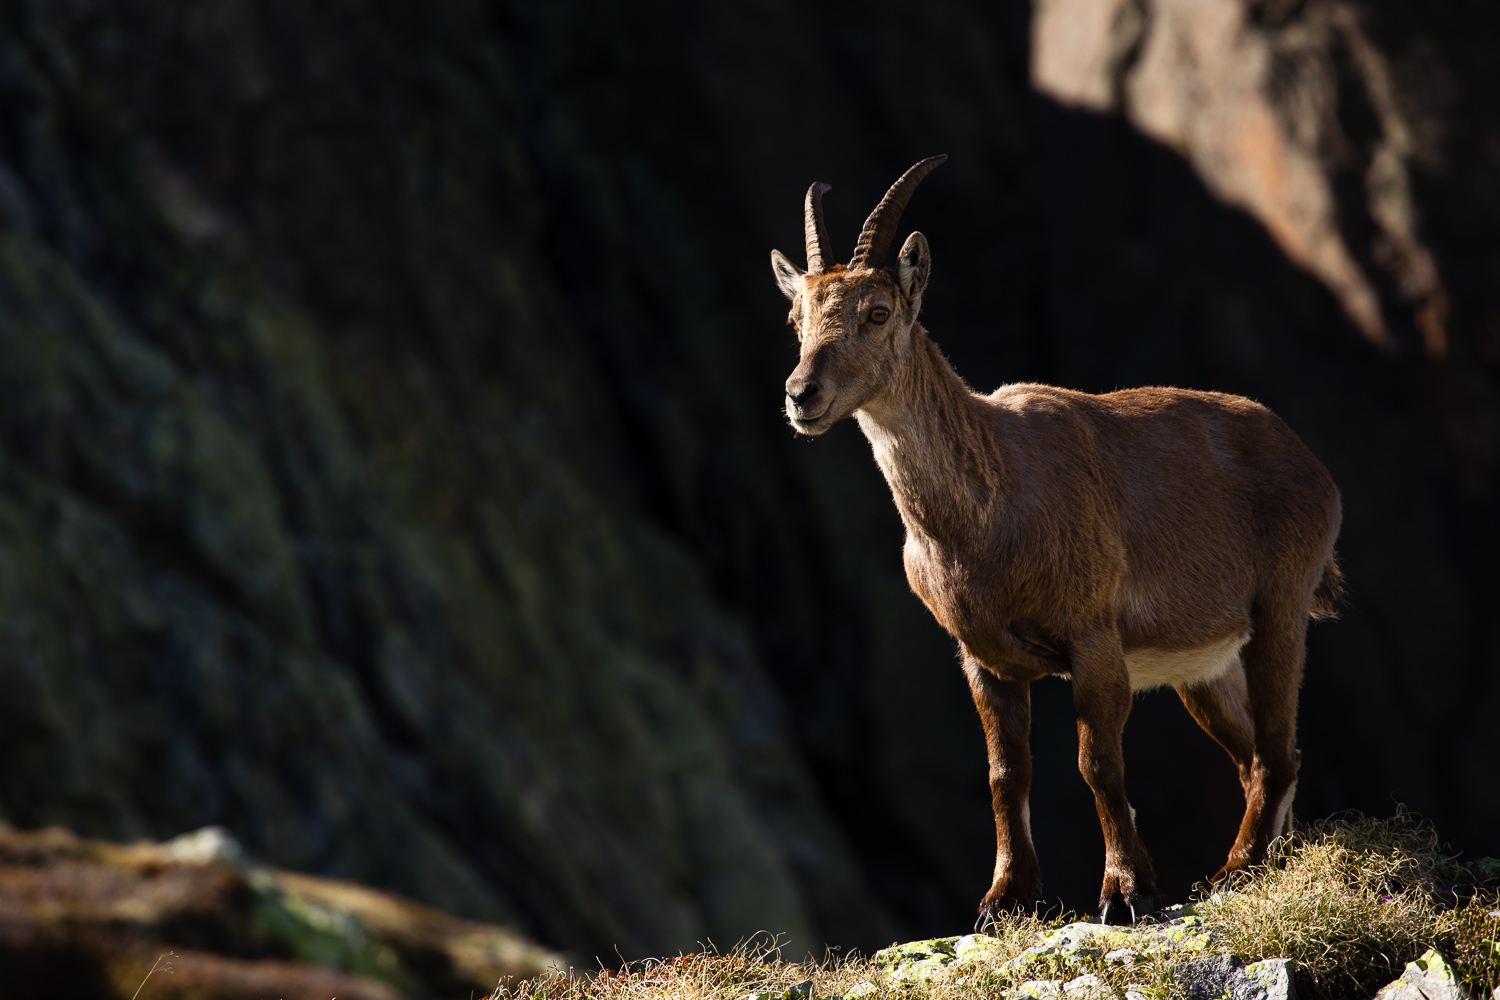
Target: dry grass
(753, 967)
(1354, 899)
(756, 970)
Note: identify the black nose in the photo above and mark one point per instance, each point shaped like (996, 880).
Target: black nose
(800, 391)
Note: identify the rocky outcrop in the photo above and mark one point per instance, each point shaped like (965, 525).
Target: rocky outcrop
(1074, 954)
(1085, 960)
(92, 918)
(1426, 978)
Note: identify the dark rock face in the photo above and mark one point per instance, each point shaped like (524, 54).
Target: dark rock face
(391, 471)
(326, 515)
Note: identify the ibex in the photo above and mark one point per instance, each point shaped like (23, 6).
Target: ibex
(1130, 540)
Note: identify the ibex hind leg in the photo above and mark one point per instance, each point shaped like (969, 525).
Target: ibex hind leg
(1222, 708)
(1273, 661)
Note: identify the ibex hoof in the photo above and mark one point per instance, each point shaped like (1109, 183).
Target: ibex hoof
(991, 910)
(1119, 910)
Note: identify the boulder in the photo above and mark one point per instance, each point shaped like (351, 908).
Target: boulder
(920, 960)
(1272, 979)
(1206, 978)
(1227, 976)
(1429, 977)
(92, 918)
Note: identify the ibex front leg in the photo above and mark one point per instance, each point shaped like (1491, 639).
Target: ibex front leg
(1101, 696)
(1005, 709)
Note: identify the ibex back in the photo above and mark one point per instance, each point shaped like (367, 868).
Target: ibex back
(1131, 540)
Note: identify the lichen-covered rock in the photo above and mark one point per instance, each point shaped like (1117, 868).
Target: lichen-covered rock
(107, 910)
(1206, 978)
(1428, 977)
(920, 959)
(1226, 976)
(1082, 960)
(1271, 979)
(1086, 987)
(1181, 931)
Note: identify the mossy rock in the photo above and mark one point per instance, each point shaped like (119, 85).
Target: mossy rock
(1065, 952)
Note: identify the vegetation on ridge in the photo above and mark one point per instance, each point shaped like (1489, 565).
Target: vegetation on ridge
(1351, 899)
(1354, 899)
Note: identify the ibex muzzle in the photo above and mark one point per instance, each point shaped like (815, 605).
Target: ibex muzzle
(1143, 538)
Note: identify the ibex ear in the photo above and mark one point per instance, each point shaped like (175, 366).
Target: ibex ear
(912, 265)
(788, 275)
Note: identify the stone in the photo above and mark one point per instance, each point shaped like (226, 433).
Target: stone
(1073, 947)
(863, 988)
(1086, 987)
(1429, 977)
(1206, 978)
(1272, 979)
(1220, 976)
(919, 960)
(210, 845)
(1080, 943)
(976, 948)
(802, 991)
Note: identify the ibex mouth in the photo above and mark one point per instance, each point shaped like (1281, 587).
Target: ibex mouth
(809, 423)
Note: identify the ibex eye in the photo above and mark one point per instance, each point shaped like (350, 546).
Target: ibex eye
(879, 315)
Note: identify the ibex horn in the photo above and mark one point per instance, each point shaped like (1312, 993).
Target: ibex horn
(880, 228)
(817, 232)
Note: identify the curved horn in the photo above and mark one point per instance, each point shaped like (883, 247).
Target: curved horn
(817, 232)
(880, 228)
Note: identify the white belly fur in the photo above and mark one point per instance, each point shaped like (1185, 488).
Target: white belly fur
(1151, 668)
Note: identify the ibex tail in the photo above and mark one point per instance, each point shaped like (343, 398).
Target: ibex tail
(1328, 599)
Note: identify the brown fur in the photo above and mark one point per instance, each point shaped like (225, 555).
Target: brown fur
(1158, 535)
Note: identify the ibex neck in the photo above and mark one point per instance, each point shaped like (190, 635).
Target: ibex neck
(933, 441)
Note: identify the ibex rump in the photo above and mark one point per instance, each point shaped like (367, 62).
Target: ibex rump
(1130, 540)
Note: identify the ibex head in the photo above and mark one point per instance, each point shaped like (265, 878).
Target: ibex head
(854, 321)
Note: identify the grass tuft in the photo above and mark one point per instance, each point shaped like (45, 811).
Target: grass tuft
(1354, 899)
(755, 966)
